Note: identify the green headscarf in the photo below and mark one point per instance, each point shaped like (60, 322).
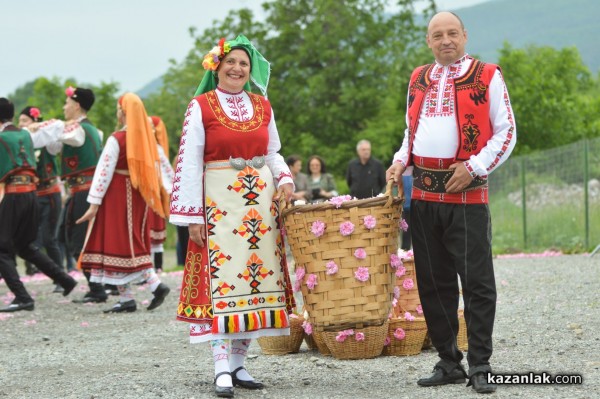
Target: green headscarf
(259, 73)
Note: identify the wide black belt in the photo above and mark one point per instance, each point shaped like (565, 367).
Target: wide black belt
(434, 180)
(79, 180)
(20, 179)
(47, 183)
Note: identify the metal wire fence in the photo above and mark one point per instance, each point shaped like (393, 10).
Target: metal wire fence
(549, 200)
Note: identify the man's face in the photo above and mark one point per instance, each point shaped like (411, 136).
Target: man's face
(364, 152)
(446, 38)
(70, 108)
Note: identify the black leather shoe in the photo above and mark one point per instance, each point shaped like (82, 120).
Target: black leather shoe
(223, 392)
(91, 298)
(68, 287)
(440, 377)
(160, 293)
(16, 306)
(121, 307)
(253, 384)
(480, 384)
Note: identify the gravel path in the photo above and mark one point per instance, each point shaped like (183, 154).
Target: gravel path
(548, 319)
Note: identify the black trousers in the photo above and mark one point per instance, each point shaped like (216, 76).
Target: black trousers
(75, 233)
(452, 241)
(19, 214)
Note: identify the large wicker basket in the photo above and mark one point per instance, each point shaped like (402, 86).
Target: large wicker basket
(281, 345)
(340, 300)
(351, 348)
(412, 342)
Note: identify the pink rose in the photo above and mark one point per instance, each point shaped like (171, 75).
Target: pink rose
(369, 221)
(69, 91)
(396, 292)
(360, 253)
(399, 333)
(311, 281)
(307, 327)
(359, 336)
(419, 309)
(341, 336)
(387, 341)
(300, 273)
(408, 316)
(318, 228)
(346, 228)
(403, 225)
(332, 267)
(394, 302)
(408, 283)
(339, 200)
(34, 113)
(410, 253)
(362, 274)
(400, 271)
(297, 286)
(395, 261)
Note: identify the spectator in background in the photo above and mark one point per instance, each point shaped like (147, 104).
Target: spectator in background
(365, 175)
(301, 192)
(320, 184)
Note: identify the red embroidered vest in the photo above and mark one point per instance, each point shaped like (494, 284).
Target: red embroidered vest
(471, 106)
(226, 137)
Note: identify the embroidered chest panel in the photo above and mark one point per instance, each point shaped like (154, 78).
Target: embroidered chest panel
(238, 110)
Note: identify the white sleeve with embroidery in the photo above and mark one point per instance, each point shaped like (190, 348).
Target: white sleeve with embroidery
(504, 137)
(47, 133)
(166, 170)
(104, 171)
(274, 160)
(188, 193)
(73, 135)
(402, 154)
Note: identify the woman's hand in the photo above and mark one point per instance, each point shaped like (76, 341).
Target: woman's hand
(89, 214)
(197, 234)
(287, 190)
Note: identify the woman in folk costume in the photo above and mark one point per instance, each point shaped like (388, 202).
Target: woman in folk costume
(236, 284)
(126, 182)
(158, 225)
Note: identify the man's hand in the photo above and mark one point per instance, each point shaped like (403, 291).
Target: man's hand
(460, 179)
(287, 190)
(395, 172)
(197, 234)
(89, 214)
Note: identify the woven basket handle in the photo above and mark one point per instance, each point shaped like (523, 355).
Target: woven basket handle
(389, 195)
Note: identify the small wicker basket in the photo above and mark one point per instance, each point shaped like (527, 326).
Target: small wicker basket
(412, 343)
(461, 339)
(371, 346)
(409, 299)
(320, 343)
(282, 345)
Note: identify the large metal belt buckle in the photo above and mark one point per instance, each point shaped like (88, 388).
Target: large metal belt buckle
(256, 162)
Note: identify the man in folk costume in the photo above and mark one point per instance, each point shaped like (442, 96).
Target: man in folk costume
(158, 225)
(460, 129)
(19, 212)
(48, 190)
(125, 184)
(236, 284)
(81, 144)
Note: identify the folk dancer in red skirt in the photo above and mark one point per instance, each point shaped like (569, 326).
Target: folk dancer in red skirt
(158, 224)
(236, 284)
(125, 184)
(19, 212)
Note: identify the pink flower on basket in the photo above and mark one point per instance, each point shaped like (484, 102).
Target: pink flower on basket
(339, 200)
(408, 283)
(410, 253)
(408, 316)
(387, 341)
(399, 333)
(360, 253)
(359, 336)
(370, 222)
(346, 228)
(395, 261)
(332, 267)
(397, 292)
(419, 309)
(311, 281)
(317, 228)
(340, 337)
(300, 272)
(297, 286)
(403, 225)
(394, 302)
(362, 274)
(400, 271)
(307, 327)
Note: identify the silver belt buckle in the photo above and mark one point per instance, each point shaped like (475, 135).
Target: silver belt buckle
(256, 162)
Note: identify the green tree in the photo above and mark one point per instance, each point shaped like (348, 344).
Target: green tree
(549, 94)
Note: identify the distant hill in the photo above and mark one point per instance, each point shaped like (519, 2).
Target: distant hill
(554, 23)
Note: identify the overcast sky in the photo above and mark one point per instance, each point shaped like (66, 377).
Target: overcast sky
(126, 41)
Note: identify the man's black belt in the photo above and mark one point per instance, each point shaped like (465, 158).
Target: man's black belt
(79, 180)
(434, 180)
(47, 183)
(20, 179)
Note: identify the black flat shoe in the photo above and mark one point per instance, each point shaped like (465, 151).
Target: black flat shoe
(121, 307)
(91, 298)
(17, 306)
(223, 392)
(253, 384)
(68, 287)
(160, 293)
(480, 384)
(440, 377)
